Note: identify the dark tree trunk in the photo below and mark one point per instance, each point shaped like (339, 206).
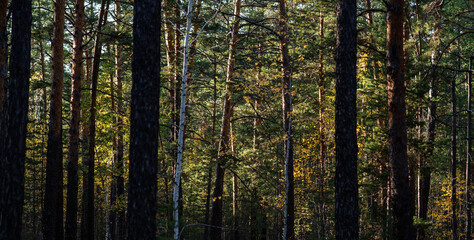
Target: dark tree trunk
(469, 156)
(347, 210)
(87, 225)
(53, 201)
(144, 120)
(13, 131)
(73, 151)
(209, 173)
(3, 53)
(400, 190)
(425, 169)
(224, 143)
(454, 222)
(289, 211)
(3, 60)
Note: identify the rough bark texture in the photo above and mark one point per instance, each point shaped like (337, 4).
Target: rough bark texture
(144, 120)
(400, 189)
(289, 211)
(87, 225)
(75, 116)
(347, 210)
(13, 131)
(53, 202)
(3, 53)
(469, 155)
(224, 143)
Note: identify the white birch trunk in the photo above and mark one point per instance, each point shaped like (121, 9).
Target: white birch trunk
(182, 115)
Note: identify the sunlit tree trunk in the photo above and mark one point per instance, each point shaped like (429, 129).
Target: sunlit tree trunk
(400, 190)
(224, 143)
(14, 127)
(177, 192)
(53, 202)
(289, 209)
(347, 210)
(73, 151)
(235, 190)
(111, 208)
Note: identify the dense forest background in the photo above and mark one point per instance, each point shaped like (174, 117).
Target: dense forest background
(230, 58)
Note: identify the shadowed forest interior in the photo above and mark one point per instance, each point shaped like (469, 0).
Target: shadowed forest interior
(236, 119)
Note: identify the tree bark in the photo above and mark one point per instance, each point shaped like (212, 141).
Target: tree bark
(53, 206)
(119, 224)
(75, 116)
(235, 191)
(347, 210)
(400, 189)
(87, 226)
(144, 120)
(322, 132)
(454, 222)
(224, 143)
(289, 211)
(3, 53)
(111, 209)
(469, 156)
(182, 120)
(425, 169)
(14, 128)
(209, 173)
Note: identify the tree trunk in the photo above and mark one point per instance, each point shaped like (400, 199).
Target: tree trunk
(119, 227)
(217, 196)
(400, 189)
(322, 132)
(182, 120)
(3, 53)
(209, 173)
(170, 58)
(468, 157)
(454, 222)
(144, 120)
(73, 151)
(87, 226)
(235, 191)
(289, 211)
(347, 210)
(14, 128)
(425, 169)
(53, 206)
